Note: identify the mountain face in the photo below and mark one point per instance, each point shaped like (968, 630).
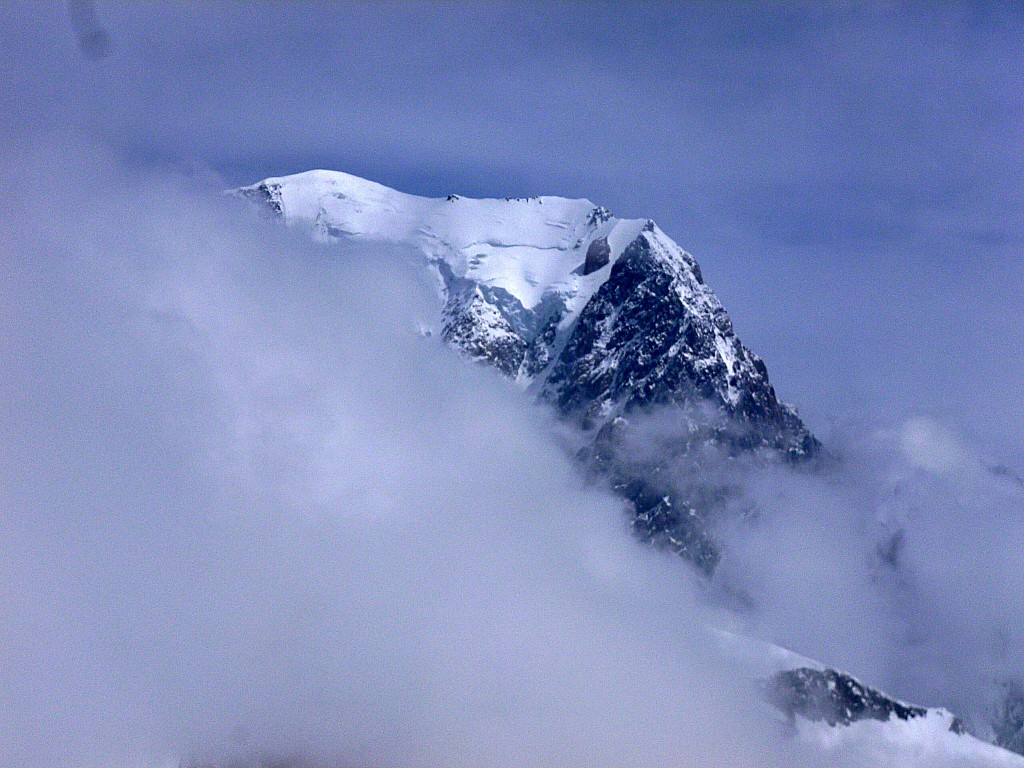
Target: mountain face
(606, 319)
(604, 316)
(610, 323)
(655, 334)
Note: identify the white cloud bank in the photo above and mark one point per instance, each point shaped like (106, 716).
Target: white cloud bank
(247, 512)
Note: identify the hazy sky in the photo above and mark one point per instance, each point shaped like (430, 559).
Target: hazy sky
(242, 503)
(848, 173)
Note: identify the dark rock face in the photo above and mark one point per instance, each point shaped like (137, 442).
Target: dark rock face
(665, 520)
(539, 351)
(465, 314)
(599, 215)
(598, 255)
(266, 195)
(653, 335)
(491, 325)
(836, 698)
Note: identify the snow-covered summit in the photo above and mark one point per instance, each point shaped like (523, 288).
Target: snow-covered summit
(534, 248)
(602, 317)
(508, 267)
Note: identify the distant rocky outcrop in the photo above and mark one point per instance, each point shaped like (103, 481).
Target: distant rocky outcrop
(837, 699)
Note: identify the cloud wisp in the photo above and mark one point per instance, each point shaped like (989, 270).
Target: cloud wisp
(897, 563)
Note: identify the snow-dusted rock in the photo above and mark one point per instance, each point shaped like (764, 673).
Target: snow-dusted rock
(607, 319)
(603, 317)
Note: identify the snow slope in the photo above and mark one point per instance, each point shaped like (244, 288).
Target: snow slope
(533, 248)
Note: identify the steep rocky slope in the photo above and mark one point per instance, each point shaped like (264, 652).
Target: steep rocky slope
(606, 319)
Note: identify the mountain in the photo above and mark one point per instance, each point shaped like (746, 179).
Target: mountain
(603, 315)
(606, 319)
(610, 323)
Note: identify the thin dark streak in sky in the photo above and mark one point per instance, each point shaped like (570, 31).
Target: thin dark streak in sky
(93, 39)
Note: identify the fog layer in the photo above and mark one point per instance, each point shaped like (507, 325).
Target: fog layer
(249, 511)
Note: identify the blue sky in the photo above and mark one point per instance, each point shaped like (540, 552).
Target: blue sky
(847, 173)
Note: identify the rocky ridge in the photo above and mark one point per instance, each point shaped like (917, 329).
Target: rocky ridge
(606, 319)
(610, 322)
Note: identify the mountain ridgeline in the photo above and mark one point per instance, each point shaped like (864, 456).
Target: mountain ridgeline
(609, 323)
(607, 320)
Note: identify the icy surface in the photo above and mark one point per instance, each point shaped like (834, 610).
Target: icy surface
(531, 247)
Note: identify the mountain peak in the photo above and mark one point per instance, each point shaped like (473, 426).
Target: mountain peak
(604, 318)
(533, 249)
(602, 315)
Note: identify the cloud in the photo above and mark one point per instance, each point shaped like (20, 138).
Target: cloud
(895, 564)
(927, 445)
(248, 511)
(847, 173)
